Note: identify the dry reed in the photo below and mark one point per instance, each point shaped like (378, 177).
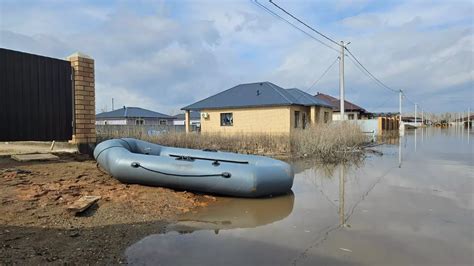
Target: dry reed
(328, 142)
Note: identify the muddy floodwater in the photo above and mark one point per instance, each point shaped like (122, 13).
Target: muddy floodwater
(413, 205)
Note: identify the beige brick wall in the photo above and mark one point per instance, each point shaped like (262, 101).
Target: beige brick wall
(320, 111)
(304, 111)
(84, 98)
(276, 119)
(249, 120)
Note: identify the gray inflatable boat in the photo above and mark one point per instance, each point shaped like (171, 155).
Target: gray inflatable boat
(139, 162)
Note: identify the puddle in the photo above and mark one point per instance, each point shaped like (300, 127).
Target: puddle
(414, 205)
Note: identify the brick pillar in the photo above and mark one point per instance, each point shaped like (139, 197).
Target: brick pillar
(84, 99)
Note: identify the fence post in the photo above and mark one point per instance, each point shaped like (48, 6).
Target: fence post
(84, 134)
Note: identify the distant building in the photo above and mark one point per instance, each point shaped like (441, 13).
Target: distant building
(260, 107)
(133, 116)
(195, 119)
(351, 110)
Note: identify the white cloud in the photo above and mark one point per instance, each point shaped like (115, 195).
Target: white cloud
(165, 55)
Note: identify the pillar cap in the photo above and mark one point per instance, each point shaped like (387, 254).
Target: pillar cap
(78, 54)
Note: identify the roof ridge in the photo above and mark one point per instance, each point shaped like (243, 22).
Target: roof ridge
(184, 108)
(279, 92)
(305, 94)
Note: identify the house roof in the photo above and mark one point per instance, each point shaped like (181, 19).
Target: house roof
(348, 106)
(194, 115)
(256, 95)
(127, 112)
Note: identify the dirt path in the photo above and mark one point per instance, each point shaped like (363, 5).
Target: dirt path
(36, 227)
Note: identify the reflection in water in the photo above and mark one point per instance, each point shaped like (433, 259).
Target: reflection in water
(415, 139)
(400, 152)
(342, 214)
(375, 208)
(235, 213)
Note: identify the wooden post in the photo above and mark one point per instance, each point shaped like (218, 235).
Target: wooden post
(187, 122)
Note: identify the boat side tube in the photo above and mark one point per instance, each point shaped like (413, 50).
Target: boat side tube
(135, 161)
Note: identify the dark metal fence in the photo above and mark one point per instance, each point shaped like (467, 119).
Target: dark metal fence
(36, 97)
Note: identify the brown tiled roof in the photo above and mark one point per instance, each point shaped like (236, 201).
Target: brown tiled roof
(348, 106)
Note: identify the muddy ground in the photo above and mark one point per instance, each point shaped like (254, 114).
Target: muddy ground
(36, 227)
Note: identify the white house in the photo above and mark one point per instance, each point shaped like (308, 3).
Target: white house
(195, 119)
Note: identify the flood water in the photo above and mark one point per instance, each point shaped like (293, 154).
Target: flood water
(413, 205)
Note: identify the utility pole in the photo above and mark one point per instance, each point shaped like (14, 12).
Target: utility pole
(112, 104)
(400, 107)
(341, 82)
(416, 106)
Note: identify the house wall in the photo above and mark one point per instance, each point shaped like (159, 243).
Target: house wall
(111, 122)
(179, 122)
(303, 110)
(337, 115)
(278, 120)
(320, 114)
(131, 121)
(149, 121)
(249, 120)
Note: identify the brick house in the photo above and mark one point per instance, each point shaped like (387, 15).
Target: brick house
(351, 110)
(260, 107)
(133, 116)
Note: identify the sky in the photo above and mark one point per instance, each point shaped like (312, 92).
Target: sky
(164, 55)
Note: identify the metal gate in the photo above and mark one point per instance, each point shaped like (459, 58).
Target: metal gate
(36, 97)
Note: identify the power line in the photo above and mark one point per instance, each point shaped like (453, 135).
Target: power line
(368, 72)
(357, 62)
(316, 81)
(293, 25)
(383, 103)
(300, 21)
(324, 73)
(408, 99)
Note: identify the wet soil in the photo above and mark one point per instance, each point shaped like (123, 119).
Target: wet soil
(36, 227)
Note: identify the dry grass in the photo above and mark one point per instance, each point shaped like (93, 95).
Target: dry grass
(328, 142)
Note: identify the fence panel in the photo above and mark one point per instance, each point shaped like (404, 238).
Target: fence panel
(35, 97)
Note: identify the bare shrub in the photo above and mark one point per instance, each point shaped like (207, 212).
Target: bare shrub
(328, 142)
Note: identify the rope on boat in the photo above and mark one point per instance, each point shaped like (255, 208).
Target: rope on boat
(137, 165)
(185, 157)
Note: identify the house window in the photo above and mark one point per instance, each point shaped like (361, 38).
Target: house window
(350, 116)
(139, 122)
(227, 119)
(163, 122)
(297, 118)
(304, 121)
(326, 117)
